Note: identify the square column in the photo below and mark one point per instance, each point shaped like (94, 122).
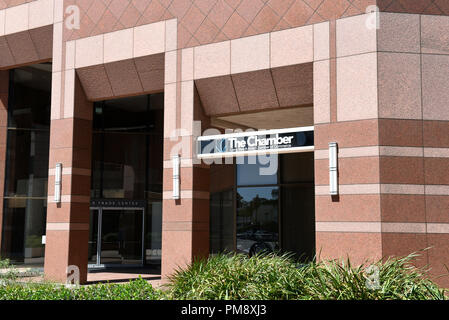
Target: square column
(4, 87)
(346, 112)
(67, 233)
(185, 221)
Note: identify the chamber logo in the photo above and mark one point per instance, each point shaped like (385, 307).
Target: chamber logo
(220, 145)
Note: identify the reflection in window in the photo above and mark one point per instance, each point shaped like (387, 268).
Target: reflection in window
(222, 222)
(23, 226)
(257, 219)
(27, 163)
(26, 174)
(153, 232)
(250, 170)
(270, 215)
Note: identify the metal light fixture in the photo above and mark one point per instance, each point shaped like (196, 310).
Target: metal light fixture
(58, 180)
(333, 168)
(176, 167)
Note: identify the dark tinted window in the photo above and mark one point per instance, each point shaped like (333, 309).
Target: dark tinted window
(28, 137)
(222, 222)
(30, 97)
(297, 167)
(127, 148)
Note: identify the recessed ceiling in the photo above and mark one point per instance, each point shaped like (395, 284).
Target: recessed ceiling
(273, 119)
(260, 90)
(125, 78)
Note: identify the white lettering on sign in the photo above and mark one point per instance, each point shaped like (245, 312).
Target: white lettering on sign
(237, 144)
(255, 141)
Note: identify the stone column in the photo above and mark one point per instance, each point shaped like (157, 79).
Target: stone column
(346, 112)
(4, 87)
(185, 223)
(68, 222)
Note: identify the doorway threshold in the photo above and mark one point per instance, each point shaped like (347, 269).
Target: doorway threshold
(124, 274)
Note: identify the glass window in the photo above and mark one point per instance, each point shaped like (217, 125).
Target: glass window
(271, 215)
(93, 237)
(27, 163)
(23, 227)
(30, 97)
(153, 234)
(127, 163)
(298, 221)
(297, 167)
(28, 137)
(222, 222)
(120, 172)
(257, 219)
(250, 171)
(127, 148)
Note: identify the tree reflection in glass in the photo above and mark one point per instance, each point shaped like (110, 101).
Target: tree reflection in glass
(257, 219)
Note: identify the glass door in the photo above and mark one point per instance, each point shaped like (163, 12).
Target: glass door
(94, 225)
(116, 237)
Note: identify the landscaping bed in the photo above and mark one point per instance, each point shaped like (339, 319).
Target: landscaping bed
(262, 277)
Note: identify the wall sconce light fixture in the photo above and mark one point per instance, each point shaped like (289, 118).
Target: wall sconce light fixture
(58, 180)
(176, 161)
(333, 168)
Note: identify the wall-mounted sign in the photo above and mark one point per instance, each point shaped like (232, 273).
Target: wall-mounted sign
(117, 203)
(256, 142)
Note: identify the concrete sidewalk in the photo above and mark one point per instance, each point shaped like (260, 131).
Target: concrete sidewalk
(123, 276)
(119, 275)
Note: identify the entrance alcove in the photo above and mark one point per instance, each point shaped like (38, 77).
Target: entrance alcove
(126, 172)
(250, 212)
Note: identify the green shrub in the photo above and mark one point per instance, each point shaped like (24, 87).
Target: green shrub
(8, 272)
(134, 290)
(5, 263)
(237, 277)
(138, 289)
(398, 278)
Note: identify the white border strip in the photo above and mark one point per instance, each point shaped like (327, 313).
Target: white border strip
(255, 152)
(67, 226)
(438, 228)
(430, 190)
(369, 227)
(187, 194)
(255, 132)
(436, 152)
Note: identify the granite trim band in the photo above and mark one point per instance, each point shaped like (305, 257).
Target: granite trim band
(386, 151)
(66, 226)
(382, 227)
